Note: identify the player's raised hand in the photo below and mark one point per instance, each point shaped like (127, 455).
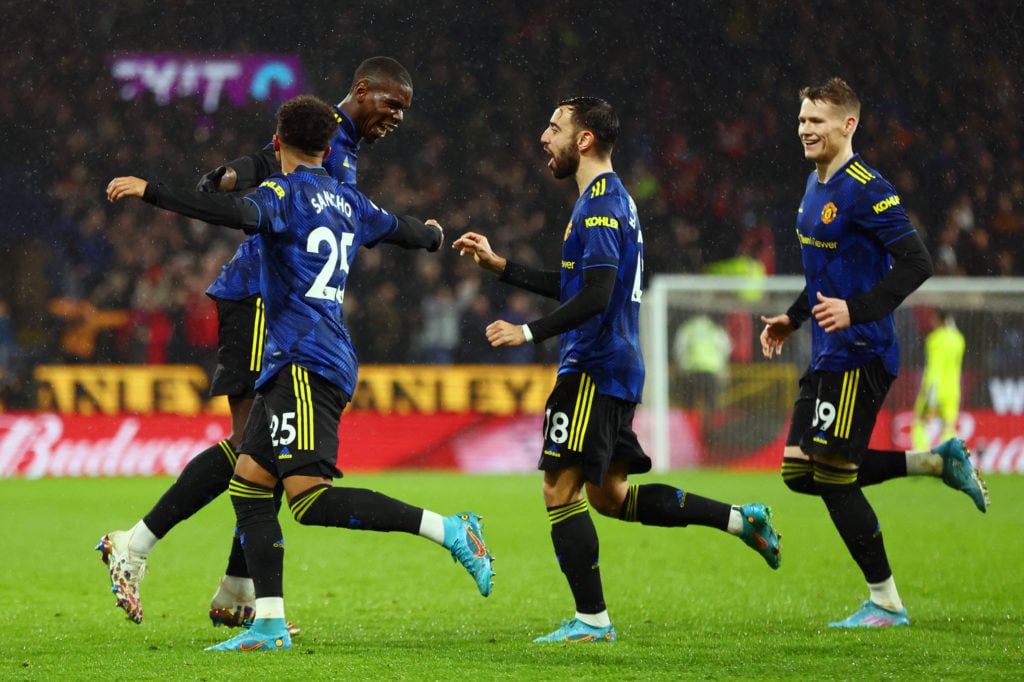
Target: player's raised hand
(125, 186)
(477, 246)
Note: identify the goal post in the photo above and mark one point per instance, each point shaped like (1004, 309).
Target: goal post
(757, 395)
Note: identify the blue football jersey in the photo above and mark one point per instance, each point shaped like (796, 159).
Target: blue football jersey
(604, 232)
(316, 226)
(341, 162)
(844, 226)
(240, 276)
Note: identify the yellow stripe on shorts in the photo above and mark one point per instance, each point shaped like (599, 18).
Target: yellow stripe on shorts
(847, 401)
(303, 409)
(581, 413)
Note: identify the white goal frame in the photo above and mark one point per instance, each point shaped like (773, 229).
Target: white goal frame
(950, 292)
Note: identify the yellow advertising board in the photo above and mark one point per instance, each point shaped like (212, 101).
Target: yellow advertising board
(182, 389)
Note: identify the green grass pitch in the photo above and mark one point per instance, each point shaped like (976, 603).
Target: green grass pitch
(688, 603)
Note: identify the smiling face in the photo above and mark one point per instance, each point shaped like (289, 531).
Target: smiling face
(560, 142)
(380, 108)
(826, 131)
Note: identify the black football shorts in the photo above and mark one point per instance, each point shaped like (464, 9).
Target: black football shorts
(293, 425)
(835, 412)
(583, 427)
(241, 330)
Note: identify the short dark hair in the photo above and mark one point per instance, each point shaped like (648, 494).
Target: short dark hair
(597, 116)
(836, 91)
(382, 69)
(306, 123)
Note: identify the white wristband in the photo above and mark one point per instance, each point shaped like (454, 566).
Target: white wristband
(527, 333)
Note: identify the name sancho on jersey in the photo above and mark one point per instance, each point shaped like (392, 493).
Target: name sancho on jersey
(330, 200)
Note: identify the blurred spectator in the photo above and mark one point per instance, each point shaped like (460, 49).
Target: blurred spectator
(701, 349)
(1007, 229)
(380, 326)
(707, 156)
(145, 337)
(474, 348)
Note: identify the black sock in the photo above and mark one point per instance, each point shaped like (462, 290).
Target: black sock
(882, 465)
(205, 477)
(576, 548)
(260, 535)
(798, 475)
(657, 504)
(237, 568)
(855, 520)
(356, 509)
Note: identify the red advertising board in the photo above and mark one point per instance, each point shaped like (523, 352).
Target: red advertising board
(48, 444)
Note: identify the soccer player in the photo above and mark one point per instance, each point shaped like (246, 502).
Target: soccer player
(939, 395)
(312, 228)
(588, 434)
(862, 257)
(380, 93)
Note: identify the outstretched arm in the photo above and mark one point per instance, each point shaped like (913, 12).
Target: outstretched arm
(412, 233)
(592, 299)
(544, 282)
(220, 209)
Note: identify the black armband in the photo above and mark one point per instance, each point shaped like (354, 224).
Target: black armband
(592, 299)
(912, 265)
(544, 282)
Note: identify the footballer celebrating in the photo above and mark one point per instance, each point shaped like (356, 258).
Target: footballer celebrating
(312, 228)
(862, 257)
(588, 434)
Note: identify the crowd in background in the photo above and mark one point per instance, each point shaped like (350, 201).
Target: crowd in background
(707, 95)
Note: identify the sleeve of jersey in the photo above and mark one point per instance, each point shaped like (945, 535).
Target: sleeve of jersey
(592, 299)
(601, 226)
(800, 311)
(253, 169)
(546, 283)
(881, 212)
(413, 233)
(911, 266)
(599, 260)
(224, 209)
(375, 224)
(270, 199)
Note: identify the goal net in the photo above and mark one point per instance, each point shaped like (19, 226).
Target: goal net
(711, 399)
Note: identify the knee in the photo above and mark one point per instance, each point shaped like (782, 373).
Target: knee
(301, 503)
(605, 506)
(607, 500)
(798, 475)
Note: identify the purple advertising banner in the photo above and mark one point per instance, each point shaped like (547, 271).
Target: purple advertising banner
(240, 78)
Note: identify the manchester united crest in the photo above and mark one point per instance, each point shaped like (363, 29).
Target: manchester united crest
(828, 213)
